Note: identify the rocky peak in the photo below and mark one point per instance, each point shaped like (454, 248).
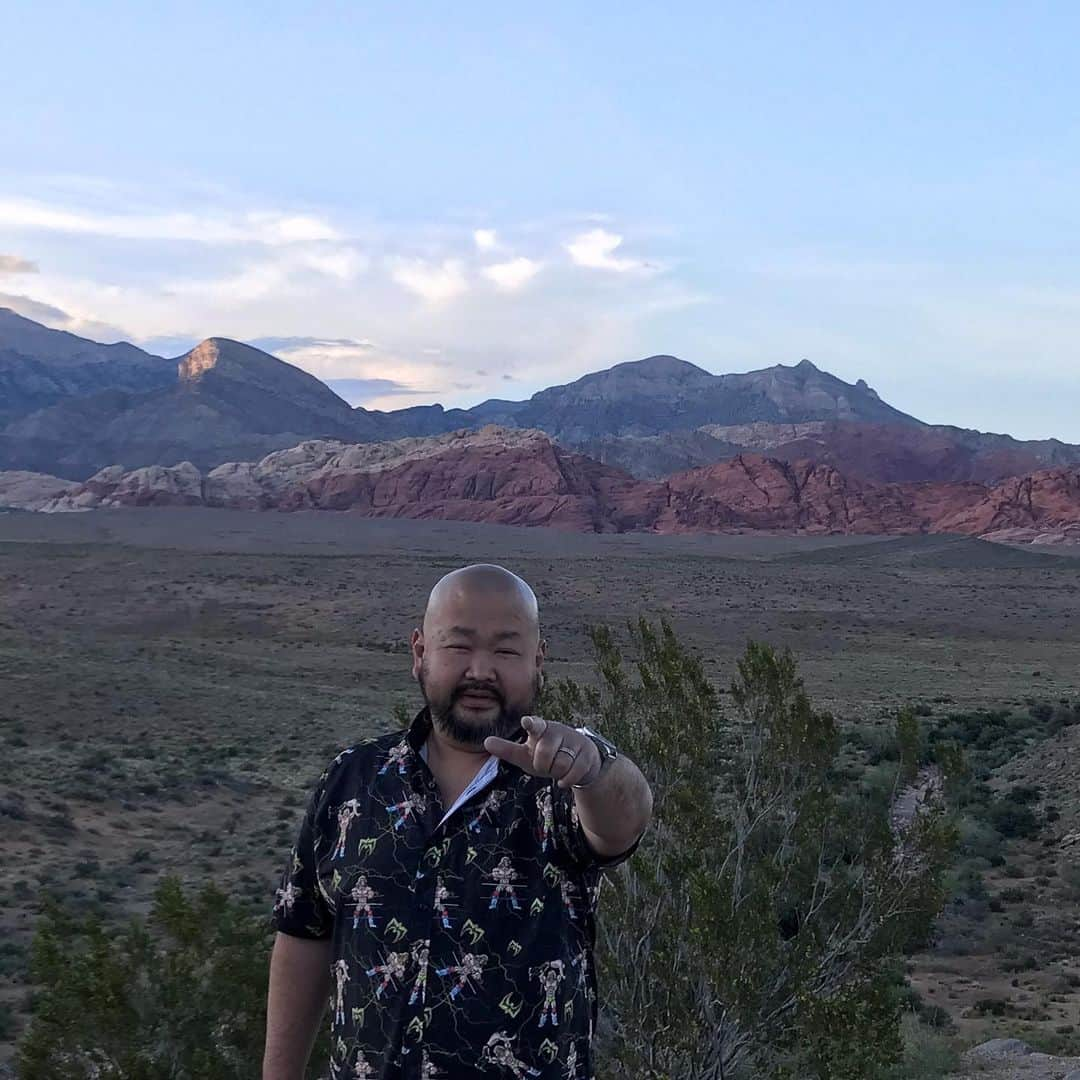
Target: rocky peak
(654, 378)
(200, 360)
(224, 356)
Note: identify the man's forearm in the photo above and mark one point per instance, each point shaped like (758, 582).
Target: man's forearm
(614, 809)
(299, 988)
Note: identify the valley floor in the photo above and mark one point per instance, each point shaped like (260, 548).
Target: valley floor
(174, 680)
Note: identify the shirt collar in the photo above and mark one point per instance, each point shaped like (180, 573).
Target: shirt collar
(419, 729)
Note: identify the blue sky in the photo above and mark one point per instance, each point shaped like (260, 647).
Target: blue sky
(453, 202)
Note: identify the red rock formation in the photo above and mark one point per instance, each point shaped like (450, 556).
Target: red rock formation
(520, 477)
(764, 493)
(1044, 500)
(899, 453)
(509, 478)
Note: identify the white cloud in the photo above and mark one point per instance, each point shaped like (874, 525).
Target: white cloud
(596, 250)
(13, 264)
(58, 319)
(252, 282)
(437, 300)
(435, 283)
(337, 262)
(393, 379)
(271, 228)
(297, 267)
(512, 275)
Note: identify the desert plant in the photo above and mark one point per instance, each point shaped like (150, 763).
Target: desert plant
(179, 996)
(751, 934)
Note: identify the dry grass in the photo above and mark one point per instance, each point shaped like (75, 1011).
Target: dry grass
(174, 680)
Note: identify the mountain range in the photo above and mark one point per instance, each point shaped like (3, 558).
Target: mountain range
(657, 443)
(523, 477)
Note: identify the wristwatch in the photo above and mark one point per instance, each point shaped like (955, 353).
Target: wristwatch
(608, 753)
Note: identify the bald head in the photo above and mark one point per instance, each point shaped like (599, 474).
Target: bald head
(478, 656)
(482, 581)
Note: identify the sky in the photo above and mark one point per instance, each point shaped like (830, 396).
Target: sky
(452, 202)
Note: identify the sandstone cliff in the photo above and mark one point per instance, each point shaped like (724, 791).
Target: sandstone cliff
(521, 477)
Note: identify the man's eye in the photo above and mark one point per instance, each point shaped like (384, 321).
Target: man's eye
(508, 652)
(458, 648)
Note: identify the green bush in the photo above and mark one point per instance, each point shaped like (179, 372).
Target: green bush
(929, 1054)
(753, 933)
(178, 996)
(1013, 819)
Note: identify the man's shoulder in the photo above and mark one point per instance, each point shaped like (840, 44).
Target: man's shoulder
(362, 755)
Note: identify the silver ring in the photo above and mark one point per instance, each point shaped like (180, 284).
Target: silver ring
(567, 750)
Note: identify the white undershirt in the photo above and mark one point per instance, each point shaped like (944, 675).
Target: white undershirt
(480, 781)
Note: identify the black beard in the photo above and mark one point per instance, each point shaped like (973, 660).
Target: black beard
(506, 725)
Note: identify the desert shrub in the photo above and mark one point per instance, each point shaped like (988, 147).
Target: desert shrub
(979, 840)
(1020, 963)
(752, 932)
(1024, 794)
(1040, 711)
(968, 881)
(928, 1053)
(1013, 819)
(991, 1006)
(1069, 881)
(178, 996)
(1063, 716)
(7, 1021)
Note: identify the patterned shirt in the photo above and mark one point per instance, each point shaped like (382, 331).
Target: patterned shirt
(462, 941)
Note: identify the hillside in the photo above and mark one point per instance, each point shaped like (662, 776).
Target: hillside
(71, 407)
(39, 367)
(514, 477)
(892, 453)
(227, 400)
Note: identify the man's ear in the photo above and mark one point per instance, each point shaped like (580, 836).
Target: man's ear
(541, 656)
(416, 645)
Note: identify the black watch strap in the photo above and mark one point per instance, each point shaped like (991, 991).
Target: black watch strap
(608, 754)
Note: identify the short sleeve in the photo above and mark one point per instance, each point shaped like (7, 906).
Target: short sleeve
(571, 839)
(300, 909)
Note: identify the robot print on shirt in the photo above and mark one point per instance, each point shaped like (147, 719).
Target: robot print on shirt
(486, 809)
(504, 877)
(347, 812)
(420, 953)
(499, 1050)
(286, 898)
(363, 1069)
(554, 876)
(428, 1069)
(572, 1063)
(443, 896)
(340, 972)
(546, 815)
(392, 969)
(414, 803)
(469, 969)
(362, 895)
(398, 756)
(550, 975)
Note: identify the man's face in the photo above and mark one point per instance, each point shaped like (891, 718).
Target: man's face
(478, 663)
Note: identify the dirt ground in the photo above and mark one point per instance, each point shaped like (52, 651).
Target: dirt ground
(174, 680)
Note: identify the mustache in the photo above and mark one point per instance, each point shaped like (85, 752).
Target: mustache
(478, 688)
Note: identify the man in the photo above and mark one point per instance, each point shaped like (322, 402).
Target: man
(444, 884)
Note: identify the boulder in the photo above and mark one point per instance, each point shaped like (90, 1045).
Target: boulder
(996, 1049)
(32, 491)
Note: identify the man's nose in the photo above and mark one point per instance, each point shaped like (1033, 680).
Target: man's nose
(481, 667)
